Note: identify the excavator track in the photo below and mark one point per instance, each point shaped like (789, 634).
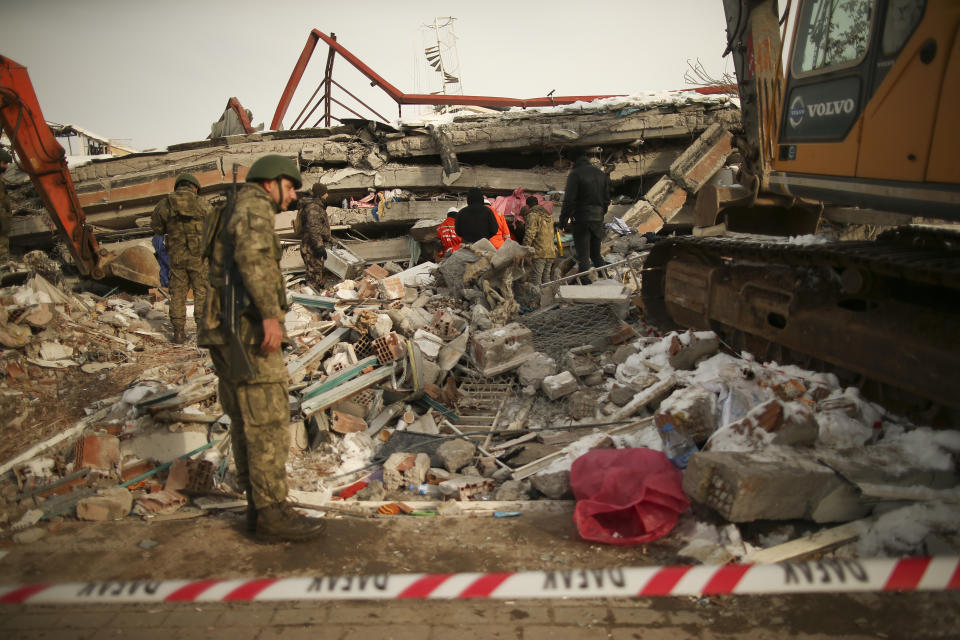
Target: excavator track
(886, 312)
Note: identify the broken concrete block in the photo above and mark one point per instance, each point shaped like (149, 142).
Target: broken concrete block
(560, 385)
(579, 364)
(597, 293)
(703, 158)
(621, 395)
(500, 350)
(376, 272)
(447, 324)
(391, 288)
(344, 263)
(346, 423)
(643, 217)
(553, 484)
(623, 352)
(403, 469)
(667, 197)
(686, 356)
(429, 343)
(111, 504)
(466, 487)
(97, 452)
(582, 404)
(456, 454)
(512, 490)
(382, 326)
(783, 483)
(693, 411)
(424, 424)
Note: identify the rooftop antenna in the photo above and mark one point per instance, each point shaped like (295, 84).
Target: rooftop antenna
(442, 56)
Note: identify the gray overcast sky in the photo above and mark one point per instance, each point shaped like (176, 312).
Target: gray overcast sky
(158, 73)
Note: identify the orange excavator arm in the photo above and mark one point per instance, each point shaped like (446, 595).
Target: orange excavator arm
(44, 160)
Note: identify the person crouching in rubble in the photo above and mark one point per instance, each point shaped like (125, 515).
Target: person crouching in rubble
(446, 231)
(476, 220)
(6, 208)
(180, 217)
(257, 405)
(313, 227)
(503, 230)
(540, 236)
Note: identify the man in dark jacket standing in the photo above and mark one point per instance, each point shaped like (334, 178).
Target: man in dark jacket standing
(585, 201)
(475, 221)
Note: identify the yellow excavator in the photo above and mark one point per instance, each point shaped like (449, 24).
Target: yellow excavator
(44, 160)
(860, 121)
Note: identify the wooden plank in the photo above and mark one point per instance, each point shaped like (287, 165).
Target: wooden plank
(819, 541)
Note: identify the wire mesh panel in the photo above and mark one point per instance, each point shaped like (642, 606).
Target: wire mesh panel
(557, 330)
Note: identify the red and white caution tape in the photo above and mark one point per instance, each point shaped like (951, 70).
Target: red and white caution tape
(906, 574)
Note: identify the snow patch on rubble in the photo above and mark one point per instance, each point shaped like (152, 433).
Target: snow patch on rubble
(902, 532)
(807, 240)
(926, 448)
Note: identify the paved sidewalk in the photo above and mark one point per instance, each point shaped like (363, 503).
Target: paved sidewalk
(807, 617)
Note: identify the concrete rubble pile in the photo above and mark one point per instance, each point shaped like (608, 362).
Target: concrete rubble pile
(435, 388)
(383, 180)
(454, 386)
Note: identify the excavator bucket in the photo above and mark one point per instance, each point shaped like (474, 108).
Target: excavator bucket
(136, 263)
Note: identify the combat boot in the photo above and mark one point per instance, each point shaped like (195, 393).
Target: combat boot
(280, 521)
(251, 514)
(179, 335)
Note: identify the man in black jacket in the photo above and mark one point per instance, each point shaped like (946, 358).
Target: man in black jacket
(585, 201)
(475, 221)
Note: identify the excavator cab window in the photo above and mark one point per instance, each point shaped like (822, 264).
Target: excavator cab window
(832, 34)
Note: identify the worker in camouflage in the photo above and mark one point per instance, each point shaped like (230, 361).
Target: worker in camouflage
(314, 228)
(257, 406)
(540, 234)
(6, 208)
(181, 216)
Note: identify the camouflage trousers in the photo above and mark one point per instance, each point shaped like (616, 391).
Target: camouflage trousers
(314, 267)
(541, 271)
(183, 277)
(259, 426)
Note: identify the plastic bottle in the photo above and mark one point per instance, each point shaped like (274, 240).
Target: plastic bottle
(431, 490)
(676, 445)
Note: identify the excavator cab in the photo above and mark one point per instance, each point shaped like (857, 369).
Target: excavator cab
(869, 107)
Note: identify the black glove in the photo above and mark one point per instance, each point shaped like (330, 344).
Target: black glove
(322, 252)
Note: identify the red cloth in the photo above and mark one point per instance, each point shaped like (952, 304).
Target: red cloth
(626, 496)
(449, 240)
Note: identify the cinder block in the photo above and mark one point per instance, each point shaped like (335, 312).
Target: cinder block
(500, 350)
(560, 385)
(391, 288)
(667, 197)
(703, 158)
(389, 347)
(643, 217)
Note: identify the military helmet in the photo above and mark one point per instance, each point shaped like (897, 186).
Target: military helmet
(272, 167)
(188, 178)
(5, 156)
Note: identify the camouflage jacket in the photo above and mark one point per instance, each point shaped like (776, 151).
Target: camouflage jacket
(180, 216)
(314, 225)
(540, 233)
(256, 252)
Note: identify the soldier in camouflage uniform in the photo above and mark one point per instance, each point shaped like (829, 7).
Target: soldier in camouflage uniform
(314, 235)
(6, 208)
(258, 408)
(181, 216)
